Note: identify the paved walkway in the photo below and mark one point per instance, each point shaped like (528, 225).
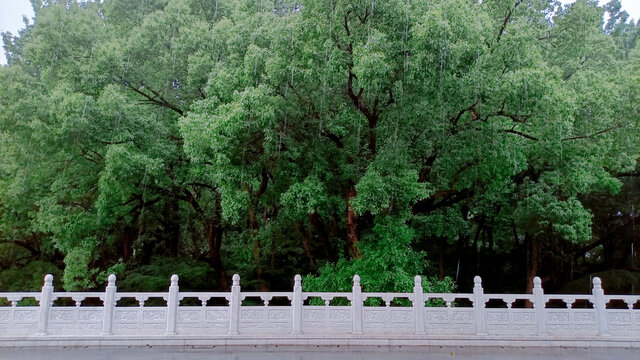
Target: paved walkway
(324, 353)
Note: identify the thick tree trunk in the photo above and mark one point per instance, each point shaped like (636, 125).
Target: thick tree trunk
(128, 236)
(172, 227)
(214, 239)
(476, 258)
(305, 244)
(257, 250)
(441, 259)
(315, 220)
(352, 227)
(372, 135)
(533, 258)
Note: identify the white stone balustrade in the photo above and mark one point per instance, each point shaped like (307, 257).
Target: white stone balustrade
(174, 313)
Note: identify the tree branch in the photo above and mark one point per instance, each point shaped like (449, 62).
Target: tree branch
(512, 131)
(263, 183)
(160, 101)
(617, 126)
(203, 185)
(446, 197)
(507, 18)
(455, 120)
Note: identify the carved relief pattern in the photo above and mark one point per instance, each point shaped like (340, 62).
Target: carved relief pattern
(558, 316)
(325, 319)
(216, 315)
(189, 315)
(62, 315)
(155, 315)
(402, 315)
(140, 326)
(90, 315)
(266, 325)
(619, 317)
(497, 317)
(527, 328)
(584, 316)
(339, 326)
(29, 327)
(279, 314)
(508, 320)
(374, 315)
(436, 316)
(74, 326)
(313, 326)
(202, 328)
(24, 315)
(571, 320)
(524, 317)
(313, 314)
(126, 316)
(571, 327)
(4, 315)
(462, 316)
(340, 314)
(251, 314)
(449, 321)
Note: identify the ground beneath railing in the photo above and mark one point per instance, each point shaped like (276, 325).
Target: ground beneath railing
(322, 353)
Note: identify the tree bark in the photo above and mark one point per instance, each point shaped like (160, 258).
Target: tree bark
(172, 227)
(441, 259)
(533, 259)
(257, 249)
(352, 227)
(214, 240)
(127, 239)
(316, 221)
(305, 244)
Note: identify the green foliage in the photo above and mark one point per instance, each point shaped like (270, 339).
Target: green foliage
(193, 275)
(29, 277)
(387, 264)
(326, 138)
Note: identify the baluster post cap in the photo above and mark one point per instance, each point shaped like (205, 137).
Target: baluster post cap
(356, 280)
(48, 280)
(111, 280)
(537, 282)
(597, 283)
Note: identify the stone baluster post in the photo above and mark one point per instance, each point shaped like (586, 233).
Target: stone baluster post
(109, 305)
(172, 306)
(234, 305)
(296, 305)
(539, 306)
(418, 305)
(46, 301)
(479, 307)
(600, 306)
(356, 305)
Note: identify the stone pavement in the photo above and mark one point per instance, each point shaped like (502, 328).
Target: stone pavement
(322, 353)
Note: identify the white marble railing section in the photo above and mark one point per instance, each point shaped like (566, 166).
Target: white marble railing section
(19, 320)
(173, 312)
